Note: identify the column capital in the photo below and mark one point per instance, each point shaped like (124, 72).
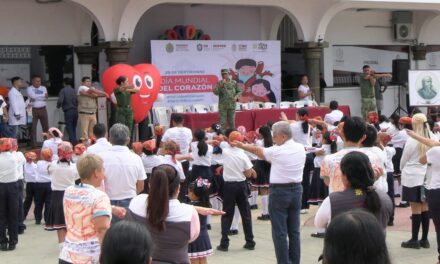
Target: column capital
(117, 51)
(87, 54)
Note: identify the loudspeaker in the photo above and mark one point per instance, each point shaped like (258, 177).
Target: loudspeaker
(400, 71)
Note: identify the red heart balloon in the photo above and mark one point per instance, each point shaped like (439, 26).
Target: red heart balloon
(146, 77)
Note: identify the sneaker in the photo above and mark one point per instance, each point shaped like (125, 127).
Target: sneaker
(249, 246)
(304, 211)
(11, 247)
(4, 246)
(254, 207)
(424, 244)
(264, 217)
(390, 224)
(222, 248)
(411, 244)
(318, 234)
(233, 232)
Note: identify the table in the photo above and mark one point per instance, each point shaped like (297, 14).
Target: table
(255, 118)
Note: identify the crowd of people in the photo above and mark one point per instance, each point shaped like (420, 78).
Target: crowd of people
(112, 200)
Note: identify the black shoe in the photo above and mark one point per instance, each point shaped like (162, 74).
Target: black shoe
(38, 222)
(390, 224)
(233, 232)
(249, 246)
(402, 205)
(254, 207)
(208, 226)
(264, 217)
(424, 243)
(222, 248)
(21, 231)
(411, 244)
(4, 246)
(318, 234)
(11, 247)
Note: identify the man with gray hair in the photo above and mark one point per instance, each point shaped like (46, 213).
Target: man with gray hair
(125, 173)
(287, 158)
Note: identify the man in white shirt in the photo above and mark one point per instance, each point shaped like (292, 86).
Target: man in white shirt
(8, 196)
(17, 106)
(21, 161)
(183, 137)
(38, 98)
(335, 115)
(101, 144)
(125, 173)
(4, 128)
(87, 106)
(236, 168)
(287, 159)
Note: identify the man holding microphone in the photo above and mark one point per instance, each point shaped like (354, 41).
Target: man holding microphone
(228, 93)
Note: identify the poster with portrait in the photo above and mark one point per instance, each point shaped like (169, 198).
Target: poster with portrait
(424, 87)
(190, 69)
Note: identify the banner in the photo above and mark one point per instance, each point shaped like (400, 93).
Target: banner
(191, 69)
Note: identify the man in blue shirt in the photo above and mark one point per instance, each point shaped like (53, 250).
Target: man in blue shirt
(68, 101)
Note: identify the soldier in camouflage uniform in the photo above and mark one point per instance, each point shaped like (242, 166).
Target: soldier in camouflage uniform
(367, 81)
(228, 93)
(124, 111)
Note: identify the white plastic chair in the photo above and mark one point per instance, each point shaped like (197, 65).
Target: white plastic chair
(200, 108)
(162, 116)
(241, 106)
(286, 104)
(298, 104)
(256, 105)
(269, 105)
(213, 107)
(180, 109)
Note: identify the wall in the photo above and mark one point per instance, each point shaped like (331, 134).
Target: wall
(220, 22)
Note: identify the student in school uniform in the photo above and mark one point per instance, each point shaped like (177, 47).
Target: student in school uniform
(30, 177)
(20, 184)
(43, 190)
(55, 138)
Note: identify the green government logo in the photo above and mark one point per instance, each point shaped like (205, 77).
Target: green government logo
(169, 47)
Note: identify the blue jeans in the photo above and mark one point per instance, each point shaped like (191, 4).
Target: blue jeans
(71, 120)
(284, 211)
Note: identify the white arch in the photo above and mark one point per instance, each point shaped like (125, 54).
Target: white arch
(276, 25)
(97, 17)
(335, 9)
(425, 25)
(135, 9)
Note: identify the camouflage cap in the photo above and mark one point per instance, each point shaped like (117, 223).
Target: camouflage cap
(224, 71)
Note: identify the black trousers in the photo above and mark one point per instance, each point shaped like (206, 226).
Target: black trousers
(236, 193)
(184, 185)
(9, 212)
(20, 186)
(390, 181)
(42, 200)
(30, 195)
(308, 169)
(434, 209)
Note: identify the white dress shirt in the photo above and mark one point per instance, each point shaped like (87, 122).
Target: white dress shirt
(21, 160)
(43, 171)
(181, 135)
(30, 172)
(167, 159)
(101, 145)
(413, 172)
(17, 106)
(52, 143)
(287, 162)
(433, 158)
(201, 160)
(2, 105)
(305, 89)
(299, 136)
(150, 162)
(399, 139)
(123, 169)
(63, 175)
(38, 95)
(82, 88)
(333, 116)
(235, 162)
(8, 167)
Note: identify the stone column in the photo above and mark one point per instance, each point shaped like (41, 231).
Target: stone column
(117, 51)
(312, 52)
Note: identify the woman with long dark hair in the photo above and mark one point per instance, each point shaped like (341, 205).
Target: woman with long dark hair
(172, 224)
(355, 237)
(358, 180)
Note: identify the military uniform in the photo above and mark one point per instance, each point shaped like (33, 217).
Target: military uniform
(124, 112)
(226, 103)
(367, 96)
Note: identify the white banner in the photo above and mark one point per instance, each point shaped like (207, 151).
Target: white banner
(352, 58)
(190, 69)
(424, 87)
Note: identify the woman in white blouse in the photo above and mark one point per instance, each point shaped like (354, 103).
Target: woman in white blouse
(55, 138)
(413, 177)
(304, 91)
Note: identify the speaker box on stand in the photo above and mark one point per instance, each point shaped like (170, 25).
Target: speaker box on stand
(400, 77)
